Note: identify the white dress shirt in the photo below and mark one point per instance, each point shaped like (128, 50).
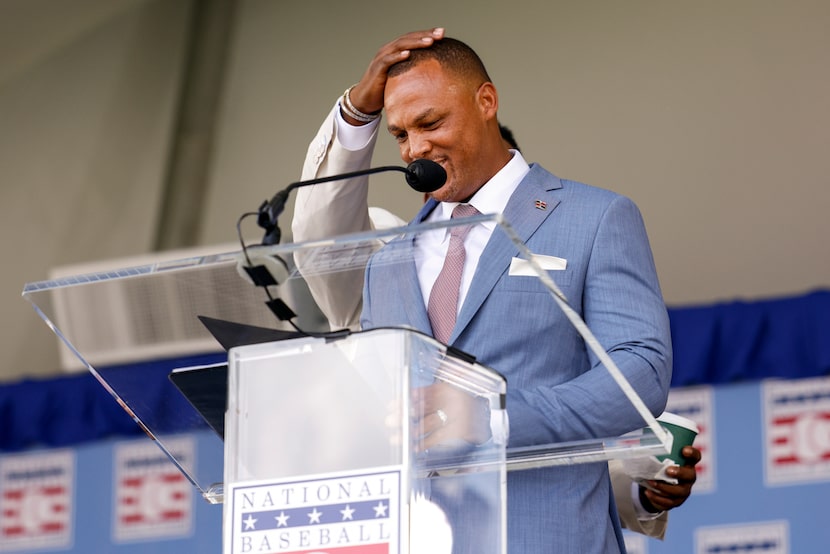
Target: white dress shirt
(490, 199)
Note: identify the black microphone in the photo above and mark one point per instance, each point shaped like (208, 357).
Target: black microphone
(422, 175)
(425, 175)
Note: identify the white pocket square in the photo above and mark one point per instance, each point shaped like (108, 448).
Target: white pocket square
(521, 267)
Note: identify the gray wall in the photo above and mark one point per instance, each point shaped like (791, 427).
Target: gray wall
(87, 94)
(713, 116)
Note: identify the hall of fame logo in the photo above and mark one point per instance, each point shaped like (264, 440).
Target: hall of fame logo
(153, 499)
(796, 431)
(343, 513)
(770, 537)
(696, 403)
(36, 508)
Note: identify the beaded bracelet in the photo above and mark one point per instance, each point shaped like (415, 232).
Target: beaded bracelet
(349, 109)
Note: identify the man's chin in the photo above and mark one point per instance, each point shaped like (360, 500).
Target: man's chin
(445, 194)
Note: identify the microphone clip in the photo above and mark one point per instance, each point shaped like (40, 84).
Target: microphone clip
(269, 212)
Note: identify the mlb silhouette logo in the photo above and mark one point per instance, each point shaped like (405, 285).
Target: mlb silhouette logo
(796, 431)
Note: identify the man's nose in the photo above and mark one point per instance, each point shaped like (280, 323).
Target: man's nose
(419, 146)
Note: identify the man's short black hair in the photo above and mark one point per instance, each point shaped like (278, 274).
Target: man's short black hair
(452, 54)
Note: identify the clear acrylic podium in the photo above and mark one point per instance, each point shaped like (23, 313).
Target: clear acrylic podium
(321, 450)
(323, 436)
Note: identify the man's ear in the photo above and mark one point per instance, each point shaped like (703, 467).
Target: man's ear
(488, 100)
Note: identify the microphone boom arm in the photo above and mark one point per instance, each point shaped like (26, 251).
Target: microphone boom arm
(422, 175)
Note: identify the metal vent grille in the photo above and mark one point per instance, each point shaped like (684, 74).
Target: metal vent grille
(144, 315)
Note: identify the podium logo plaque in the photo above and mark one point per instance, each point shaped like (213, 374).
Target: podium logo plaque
(343, 513)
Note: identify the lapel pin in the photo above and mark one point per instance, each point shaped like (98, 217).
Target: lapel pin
(541, 205)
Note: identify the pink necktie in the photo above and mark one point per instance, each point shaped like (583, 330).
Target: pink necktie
(443, 300)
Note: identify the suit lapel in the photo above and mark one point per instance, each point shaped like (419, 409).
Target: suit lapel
(529, 206)
(412, 300)
(410, 290)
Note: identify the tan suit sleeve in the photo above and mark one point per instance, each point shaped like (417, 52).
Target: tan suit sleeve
(621, 484)
(329, 210)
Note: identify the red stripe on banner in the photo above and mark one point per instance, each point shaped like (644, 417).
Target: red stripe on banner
(132, 481)
(172, 514)
(10, 513)
(53, 527)
(14, 494)
(172, 477)
(781, 440)
(785, 420)
(56, 490)
(135, 518)
(362, 549)
(15, 531)
(59, 508)
(786, 460)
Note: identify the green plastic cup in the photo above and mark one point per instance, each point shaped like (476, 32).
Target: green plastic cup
(684, 432)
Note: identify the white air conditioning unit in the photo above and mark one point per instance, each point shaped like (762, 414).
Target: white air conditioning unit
(149, 311)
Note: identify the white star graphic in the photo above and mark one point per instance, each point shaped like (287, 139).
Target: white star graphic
(250, 522)
(314, 516)
(282, 520)
(347, 512)
(380, 510)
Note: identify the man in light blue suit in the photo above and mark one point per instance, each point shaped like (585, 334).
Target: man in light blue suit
(441, 105)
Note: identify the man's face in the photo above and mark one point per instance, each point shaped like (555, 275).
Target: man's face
(437, 115)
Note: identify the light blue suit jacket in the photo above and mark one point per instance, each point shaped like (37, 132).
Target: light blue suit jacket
(557, 391)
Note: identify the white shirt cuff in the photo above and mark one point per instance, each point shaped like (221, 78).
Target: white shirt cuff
(353, 137)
